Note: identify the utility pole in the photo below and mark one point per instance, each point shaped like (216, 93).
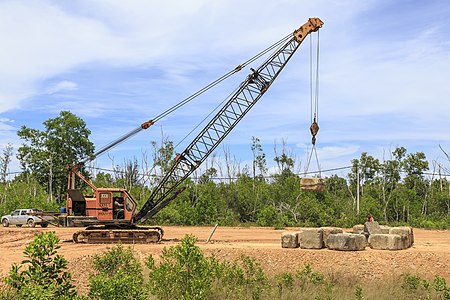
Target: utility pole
(357, 190)
(50, 181)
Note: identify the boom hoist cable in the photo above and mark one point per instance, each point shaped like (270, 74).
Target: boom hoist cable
(167, 112)
(73, 170)
(246, 96)
(313, 183)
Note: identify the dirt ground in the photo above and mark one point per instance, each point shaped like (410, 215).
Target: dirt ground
(429, 256)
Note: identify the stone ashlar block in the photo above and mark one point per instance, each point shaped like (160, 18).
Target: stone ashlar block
(289, 240)
(346, 242)
(311, 238)
(372, 228)
(358, 229)
(387, 241)
(406, 233)
(385, 229)
(326, 231)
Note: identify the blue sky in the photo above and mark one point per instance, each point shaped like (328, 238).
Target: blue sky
(384, 73)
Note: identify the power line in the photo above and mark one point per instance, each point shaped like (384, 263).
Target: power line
(236, 177)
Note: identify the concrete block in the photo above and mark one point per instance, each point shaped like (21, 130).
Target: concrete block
(311, 238)
(289, 240)
(385, 229)
(358, 229)
(372, 228)
(346, 242)
(406, 234)
(326, 231)
(386, 242)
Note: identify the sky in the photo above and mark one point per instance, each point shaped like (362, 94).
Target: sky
(384, 74)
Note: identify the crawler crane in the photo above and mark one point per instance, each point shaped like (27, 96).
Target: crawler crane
(107, 223)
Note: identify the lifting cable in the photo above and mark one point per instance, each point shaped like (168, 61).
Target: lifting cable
(275, 46)
(222, 78)
(314, 91)
(186, 100)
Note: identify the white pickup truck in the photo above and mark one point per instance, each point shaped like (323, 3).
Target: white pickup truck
(29, 217)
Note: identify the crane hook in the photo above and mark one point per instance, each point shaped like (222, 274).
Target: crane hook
(314, 128)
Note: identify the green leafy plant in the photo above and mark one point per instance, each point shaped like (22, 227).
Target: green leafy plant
(183, 273)
(285, 281)
(119, 276)
(411, 282)
(44, 276)
(359, 293)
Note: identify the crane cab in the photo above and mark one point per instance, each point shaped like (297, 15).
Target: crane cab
(105, 204)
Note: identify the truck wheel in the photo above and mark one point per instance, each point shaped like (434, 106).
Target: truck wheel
(5, 223)
(43, 225)
(30, 223)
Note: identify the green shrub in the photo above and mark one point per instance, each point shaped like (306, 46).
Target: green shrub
(8, 293)
(441, 286)
(44, 276)
(119, 276)
(183, 273)
(415, 285)
(410, 282)
(359, 293)
(285, 282)
(267, 216)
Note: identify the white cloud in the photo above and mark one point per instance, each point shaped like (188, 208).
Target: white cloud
(64, 85)
(129, 60)
(331, 152)
(47, 38)
(6, 124)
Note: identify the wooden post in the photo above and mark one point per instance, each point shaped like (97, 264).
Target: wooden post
(212, 232)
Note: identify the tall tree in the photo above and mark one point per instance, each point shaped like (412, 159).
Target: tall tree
(48, 153)
(163, 154)
(390, 177)
(285, 162)
(259, 158)
(5, 160)
(367, 167)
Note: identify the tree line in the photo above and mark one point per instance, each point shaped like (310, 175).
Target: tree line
(394, 190)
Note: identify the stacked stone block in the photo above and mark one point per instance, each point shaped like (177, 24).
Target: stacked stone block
(289, 240)
(311, 238)
(385, 229)
(383, 241)
(406, 233)
(326, 231)
(372, 228)
(370, 234)
(358, 229)
(346, 242)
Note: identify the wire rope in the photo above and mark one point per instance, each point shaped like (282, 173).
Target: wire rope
(186, 100)
(279, 44)
(314, 97)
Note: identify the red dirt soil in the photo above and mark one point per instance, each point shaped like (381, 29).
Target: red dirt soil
(429, 256)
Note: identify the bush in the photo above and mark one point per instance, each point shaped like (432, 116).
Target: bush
(415, 285)
(44, 276)
(119, 276)
(183, 273)
(267, 216)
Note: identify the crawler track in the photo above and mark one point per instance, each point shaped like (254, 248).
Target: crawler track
(138, 235)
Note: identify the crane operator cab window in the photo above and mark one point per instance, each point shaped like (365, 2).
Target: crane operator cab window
(129, 205)
(118, 208)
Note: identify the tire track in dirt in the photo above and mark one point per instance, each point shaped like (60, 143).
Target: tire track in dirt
(429, 256)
